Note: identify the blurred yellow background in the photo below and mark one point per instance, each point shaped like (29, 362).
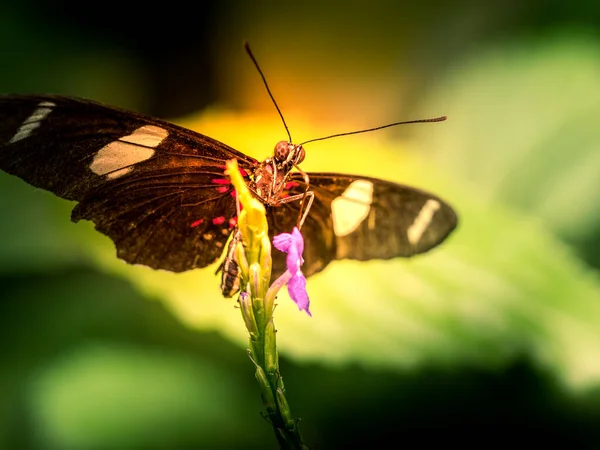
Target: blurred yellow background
(494, 334)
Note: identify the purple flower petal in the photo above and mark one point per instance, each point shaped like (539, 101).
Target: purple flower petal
(293, 244)
(297, 290)
(298, 240)
(282, 241)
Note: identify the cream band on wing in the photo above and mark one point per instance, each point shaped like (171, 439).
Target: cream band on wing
(33, 121)
(422, 221)
(352, 207)
(117, 158)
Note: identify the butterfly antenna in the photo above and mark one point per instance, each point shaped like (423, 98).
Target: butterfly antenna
(247, 47)
(435, 119)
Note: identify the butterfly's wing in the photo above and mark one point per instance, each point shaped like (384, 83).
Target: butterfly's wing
(317, 230)
(361, 218)
(156, 189)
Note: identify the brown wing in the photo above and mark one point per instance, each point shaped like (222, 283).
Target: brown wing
(156, 189)
(362, 218)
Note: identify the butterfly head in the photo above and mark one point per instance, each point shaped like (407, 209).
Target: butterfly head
(288, 154)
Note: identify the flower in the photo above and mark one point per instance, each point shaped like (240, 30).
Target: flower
(252, 218)
(257, 301)
(293, 244)
(252, 223)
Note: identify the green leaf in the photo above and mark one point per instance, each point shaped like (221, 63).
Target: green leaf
(141, 399)
(36, 233)
(523, 128)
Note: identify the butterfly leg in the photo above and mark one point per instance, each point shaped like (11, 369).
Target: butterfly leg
(306, 199)
(302, 215)
(309, 196)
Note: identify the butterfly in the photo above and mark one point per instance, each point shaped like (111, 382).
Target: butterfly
(159, 190)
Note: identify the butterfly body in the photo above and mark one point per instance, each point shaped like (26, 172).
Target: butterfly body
(271, 177)
(159, 191)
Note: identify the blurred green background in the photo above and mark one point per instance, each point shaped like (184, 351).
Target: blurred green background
(493, 337)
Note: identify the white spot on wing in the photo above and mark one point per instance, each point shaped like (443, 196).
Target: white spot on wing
(352, 207)
(147, 136)
(117, 158)
(422, 221)
(33, 121)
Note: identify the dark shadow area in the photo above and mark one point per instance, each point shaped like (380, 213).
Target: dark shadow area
(44, 317)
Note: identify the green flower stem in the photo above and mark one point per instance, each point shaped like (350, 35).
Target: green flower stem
(257, 303)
